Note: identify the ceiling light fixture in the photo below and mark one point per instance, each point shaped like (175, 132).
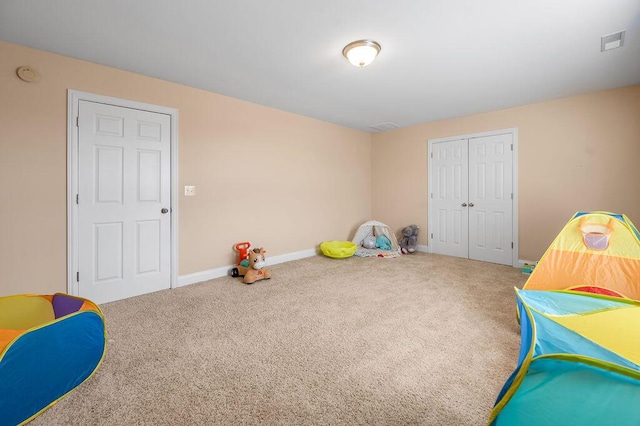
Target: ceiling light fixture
(362, 52)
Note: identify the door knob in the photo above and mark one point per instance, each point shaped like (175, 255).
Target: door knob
(471, 204)
(464, 204)
(164, 211)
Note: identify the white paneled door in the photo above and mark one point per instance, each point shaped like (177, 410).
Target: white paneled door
(472, 198)
(450, 174)
(124, 226)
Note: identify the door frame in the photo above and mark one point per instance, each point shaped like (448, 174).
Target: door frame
(514, 170)
(73, 102)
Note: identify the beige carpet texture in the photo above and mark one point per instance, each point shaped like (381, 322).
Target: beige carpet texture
(421, 339)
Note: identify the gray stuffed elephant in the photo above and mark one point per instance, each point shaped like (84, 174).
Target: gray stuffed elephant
(409, 240)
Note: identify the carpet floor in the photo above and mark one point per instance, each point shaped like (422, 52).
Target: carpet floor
(417, 340)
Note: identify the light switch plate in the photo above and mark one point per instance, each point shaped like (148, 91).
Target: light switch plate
(189, 191)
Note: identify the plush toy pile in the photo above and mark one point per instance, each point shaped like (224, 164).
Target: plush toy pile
(409, 241)
(380, 242)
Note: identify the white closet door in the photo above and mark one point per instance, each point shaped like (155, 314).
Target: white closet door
(490, 203)
(449, 195)
(471, 204)
(124, 201)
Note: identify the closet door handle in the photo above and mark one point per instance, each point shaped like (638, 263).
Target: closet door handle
(464, 204)
(471, 204)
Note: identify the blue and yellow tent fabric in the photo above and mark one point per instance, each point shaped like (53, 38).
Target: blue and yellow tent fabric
(597, 250)
(579, 362)
(49, 344)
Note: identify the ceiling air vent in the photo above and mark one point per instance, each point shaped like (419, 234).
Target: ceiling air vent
(612, 41)
(383, 127)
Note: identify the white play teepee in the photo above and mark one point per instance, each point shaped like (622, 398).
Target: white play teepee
(375, 228)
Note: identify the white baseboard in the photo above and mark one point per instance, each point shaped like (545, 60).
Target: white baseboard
(210, 274)
(423, 249)
(274, 260)
(198, 277)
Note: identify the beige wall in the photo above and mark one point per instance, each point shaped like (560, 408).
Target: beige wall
(316, 179)
(575, 153)
(279, 180)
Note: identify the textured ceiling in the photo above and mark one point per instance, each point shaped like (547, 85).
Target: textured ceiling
(440, 58)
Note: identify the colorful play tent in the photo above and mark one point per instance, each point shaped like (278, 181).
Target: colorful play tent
(579, 362)
(48, 346)
(596, 252)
